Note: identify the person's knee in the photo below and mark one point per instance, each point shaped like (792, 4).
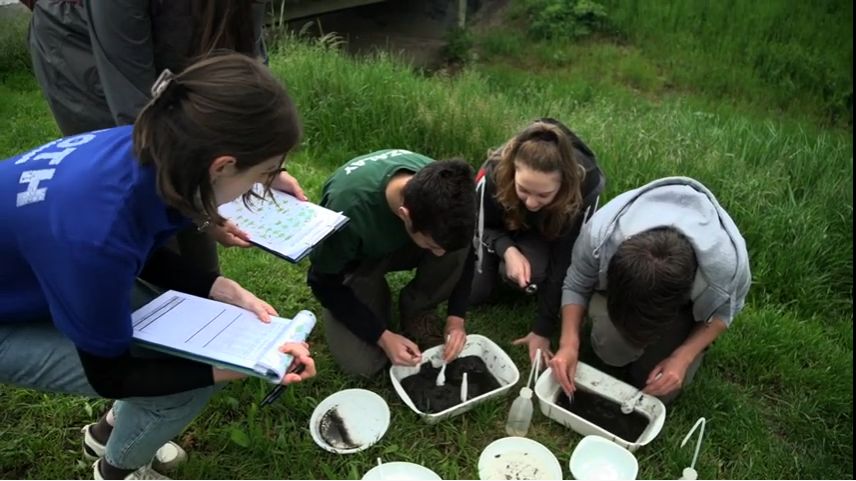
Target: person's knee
(610, 352)
(353, 355)
(191, 399)
(177, 406)
(366, 368)
(358, 360)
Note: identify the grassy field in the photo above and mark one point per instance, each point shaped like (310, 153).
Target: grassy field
(790, 58)
(776, 389)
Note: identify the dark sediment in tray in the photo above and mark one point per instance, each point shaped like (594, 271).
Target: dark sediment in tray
(604, 413)
(430, 398)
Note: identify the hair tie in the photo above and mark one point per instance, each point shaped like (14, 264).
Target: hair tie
(162, 83)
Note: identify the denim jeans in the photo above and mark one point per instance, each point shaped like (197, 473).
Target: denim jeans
(36, 355)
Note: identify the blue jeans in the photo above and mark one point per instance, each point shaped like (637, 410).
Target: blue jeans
(36, 355)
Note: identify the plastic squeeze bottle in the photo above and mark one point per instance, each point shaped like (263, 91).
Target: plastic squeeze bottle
(520, 415)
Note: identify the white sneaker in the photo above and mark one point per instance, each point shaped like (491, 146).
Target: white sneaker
(146, 472)
(166, 458)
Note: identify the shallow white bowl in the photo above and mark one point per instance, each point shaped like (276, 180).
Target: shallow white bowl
(398, 470)
(364, 414)
(518, 458)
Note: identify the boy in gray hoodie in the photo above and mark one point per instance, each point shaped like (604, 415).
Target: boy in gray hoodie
(661, 271)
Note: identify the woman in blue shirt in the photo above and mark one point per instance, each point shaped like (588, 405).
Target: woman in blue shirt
(85, 216)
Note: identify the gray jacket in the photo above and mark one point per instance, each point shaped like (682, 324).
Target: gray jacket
(722, 279)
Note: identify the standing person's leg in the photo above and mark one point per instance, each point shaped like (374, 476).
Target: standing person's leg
(484, 282)
(434, 281)
(65, 69)
(353, 355)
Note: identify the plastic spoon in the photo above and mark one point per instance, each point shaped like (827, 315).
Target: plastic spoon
(690, 472)
(441, 376)
(464, 388)
(380, 469)
(627, 405)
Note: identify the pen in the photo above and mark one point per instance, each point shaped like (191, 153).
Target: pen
(277, 391)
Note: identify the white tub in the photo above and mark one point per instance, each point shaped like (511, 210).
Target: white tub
(593, 380)
(498, 363)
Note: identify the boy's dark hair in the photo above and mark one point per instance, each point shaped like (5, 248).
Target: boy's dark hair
(223, 105)
(441, 198)
(650, 279)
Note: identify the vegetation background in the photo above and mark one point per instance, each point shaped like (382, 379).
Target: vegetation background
(754, 99)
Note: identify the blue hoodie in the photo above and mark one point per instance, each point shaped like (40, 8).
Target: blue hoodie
(722, 278)
(80, 217)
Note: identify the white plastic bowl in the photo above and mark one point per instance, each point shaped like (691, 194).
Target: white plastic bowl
(497, 361)
(518, 458)
(593, 380)
(596, 458)
(398, 470)
(364, 414)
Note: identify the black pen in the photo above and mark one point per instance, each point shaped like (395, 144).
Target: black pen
(277, 391)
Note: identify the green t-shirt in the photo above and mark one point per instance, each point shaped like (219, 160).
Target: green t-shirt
(358, 190)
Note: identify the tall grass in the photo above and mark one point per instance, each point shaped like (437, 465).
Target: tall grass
(797, 55)
(14, 56)
(786, 185)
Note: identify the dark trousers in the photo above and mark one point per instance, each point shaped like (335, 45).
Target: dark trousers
(434, 281)
(532, 246)
(197, 247)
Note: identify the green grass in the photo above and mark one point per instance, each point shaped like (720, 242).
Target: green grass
(796, 54)
(776, 389)
(769, 55)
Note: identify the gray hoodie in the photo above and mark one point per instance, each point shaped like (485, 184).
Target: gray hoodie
(722, 279)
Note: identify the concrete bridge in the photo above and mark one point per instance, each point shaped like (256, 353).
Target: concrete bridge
(295, 9)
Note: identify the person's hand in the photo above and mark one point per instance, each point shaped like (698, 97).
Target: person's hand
(229, 235)
(455, 336)
(400, 350)
(564, 365)
(534, 342)
(667, 376)
(517, 267)
(302, 367)
(288, 184)
(228, 291)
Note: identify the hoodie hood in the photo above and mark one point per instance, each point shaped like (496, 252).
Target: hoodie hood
(723, 277)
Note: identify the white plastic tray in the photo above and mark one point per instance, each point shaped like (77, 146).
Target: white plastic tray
(593, 380)
(498, 363)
